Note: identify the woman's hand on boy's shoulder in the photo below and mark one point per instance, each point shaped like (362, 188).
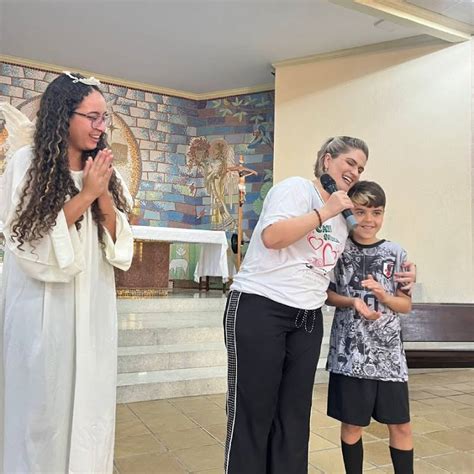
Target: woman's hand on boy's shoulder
(407, 277)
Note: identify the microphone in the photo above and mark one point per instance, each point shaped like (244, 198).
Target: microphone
(329, 185)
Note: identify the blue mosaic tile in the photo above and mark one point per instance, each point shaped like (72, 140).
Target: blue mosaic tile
(196, 122)
(147, 185)
(175, 216)
(152, 97)
(11, 70)
(165, 187)
(157, 136)
(162, 117)
(176, 159)
(141, 133)
(146, 105)
(125, 101)
(118, 90)
(173, 197)
(179, 102)
(188, 219)
(181, 139)
(135, 94)
(177, 119)
(177, 129)
(189, 200)
(121, 109)
(171, 147)
(168, 206)
(166, 109)
(188, 112)
(24, 83)
(152, 215)
(34, 74)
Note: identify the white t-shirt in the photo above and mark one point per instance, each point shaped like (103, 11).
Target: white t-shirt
(297, 275)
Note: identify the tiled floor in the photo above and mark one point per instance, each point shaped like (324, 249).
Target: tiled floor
(186, 435)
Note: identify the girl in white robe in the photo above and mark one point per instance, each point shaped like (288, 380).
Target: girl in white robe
(64, 233)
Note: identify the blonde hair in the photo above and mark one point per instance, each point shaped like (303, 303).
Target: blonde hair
(335, 146)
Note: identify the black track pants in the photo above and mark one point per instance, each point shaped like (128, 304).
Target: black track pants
(271, 368)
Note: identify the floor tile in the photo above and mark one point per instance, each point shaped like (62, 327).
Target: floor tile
(459, 463)
(422, 466)
(131, 428)
(219, 431)
(134, 445)
(332, 434)
(451, 420)
(150, 464)
(420, 425)
(194, 438)
(194, 404)
(205, 457)
(425, 446)
(123, 413)
(459, 439)
(209, 417)
(186, 435)
(153, 408)
(377, 453)
(377, 430)
(321, 420)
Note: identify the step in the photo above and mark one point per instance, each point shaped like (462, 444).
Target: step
(180, 356)
(173, 356)
(157, 385)
(174, 347)
(173, 303)
(161, 384)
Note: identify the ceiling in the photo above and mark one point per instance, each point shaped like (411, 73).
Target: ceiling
(461, 10)
(198, 46)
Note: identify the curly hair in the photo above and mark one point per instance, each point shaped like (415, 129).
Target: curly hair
(49, 183)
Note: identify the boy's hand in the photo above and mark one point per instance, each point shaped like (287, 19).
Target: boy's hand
(407, 277)
(375, 287)
(364, 310)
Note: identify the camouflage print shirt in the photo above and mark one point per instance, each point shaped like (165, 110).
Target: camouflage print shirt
(359, 347)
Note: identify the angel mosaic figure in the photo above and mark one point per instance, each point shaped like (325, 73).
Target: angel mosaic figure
(213, 160)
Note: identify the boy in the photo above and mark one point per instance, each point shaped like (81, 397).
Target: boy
(367, 364)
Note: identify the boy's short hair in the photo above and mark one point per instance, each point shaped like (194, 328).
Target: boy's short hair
(368, 194)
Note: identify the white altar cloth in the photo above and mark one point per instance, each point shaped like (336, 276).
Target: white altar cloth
(213, 253)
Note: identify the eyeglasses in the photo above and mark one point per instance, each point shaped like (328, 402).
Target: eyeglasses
(97, 120)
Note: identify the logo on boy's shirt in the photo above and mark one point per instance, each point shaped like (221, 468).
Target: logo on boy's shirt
(387, 268)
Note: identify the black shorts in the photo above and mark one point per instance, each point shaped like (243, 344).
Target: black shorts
(354, 401)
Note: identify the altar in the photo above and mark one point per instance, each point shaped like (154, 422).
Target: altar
(149, 273)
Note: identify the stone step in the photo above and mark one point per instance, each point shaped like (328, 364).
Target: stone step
(173, 304)
(139, 386)
(173, 356)
(174, 347)
(180, 356)
(156, 385)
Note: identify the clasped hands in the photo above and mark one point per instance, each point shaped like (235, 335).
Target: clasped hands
(97, 173)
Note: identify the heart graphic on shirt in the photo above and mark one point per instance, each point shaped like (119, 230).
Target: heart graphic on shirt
(329, 255)
(315, 242)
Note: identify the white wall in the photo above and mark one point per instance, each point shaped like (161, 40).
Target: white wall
(413, 107)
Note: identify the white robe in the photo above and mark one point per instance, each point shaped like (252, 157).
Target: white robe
(59, 340)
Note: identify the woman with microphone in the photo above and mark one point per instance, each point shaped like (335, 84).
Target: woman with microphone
(273, 321)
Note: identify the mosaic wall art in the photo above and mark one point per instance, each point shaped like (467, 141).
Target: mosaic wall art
(151, 135)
